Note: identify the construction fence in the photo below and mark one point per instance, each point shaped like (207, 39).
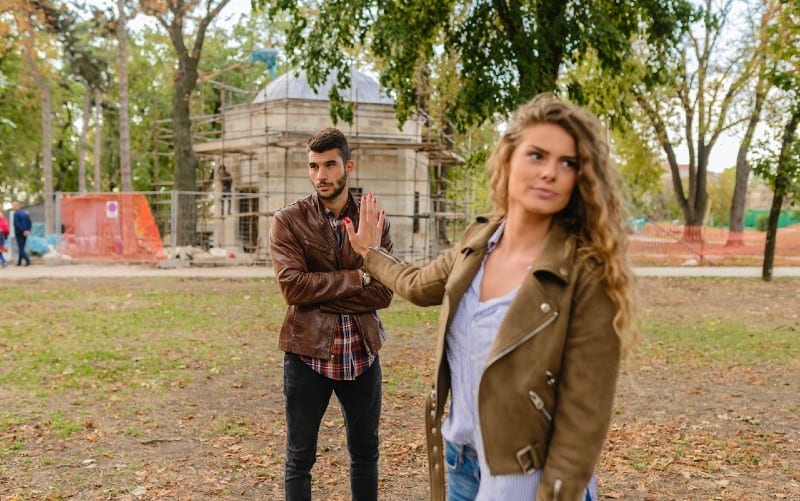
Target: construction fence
(224, 229)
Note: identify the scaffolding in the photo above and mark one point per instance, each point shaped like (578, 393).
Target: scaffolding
(262, 140)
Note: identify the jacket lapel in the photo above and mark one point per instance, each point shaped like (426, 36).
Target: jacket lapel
(531, 309)
(467, 264)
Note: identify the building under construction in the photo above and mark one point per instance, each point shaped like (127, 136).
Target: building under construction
(262, 144)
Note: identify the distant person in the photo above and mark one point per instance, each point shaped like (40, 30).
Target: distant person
(331, 333)
(22, 228)
(226, 180)
(536, 314)
(3, 235)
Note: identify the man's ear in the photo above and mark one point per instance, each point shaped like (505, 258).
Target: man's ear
(349, 166)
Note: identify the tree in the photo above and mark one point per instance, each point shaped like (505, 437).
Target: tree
(760, 89)
(701, 101)
(175, 17)
(124, 113)
(20, 112)
(782, 171)
(504, 52)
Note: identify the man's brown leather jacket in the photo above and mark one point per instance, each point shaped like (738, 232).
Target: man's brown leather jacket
(319, 280)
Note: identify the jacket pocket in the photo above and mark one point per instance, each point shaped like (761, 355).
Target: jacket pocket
(538, 404)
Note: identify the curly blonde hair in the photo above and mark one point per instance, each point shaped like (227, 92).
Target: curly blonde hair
(595, 211)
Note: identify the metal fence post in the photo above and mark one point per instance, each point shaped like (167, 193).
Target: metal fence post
(174, 223)
(57, 215)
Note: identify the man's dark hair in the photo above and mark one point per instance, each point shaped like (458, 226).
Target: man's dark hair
(328, 139)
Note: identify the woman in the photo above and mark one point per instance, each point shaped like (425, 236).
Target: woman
(3, 235)
(536, 314)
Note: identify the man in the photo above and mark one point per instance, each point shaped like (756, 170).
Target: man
(22, 228)
(331, 332)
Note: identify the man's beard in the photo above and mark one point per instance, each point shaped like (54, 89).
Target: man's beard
(338, 187)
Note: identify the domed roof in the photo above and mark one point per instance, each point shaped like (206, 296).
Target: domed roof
(294, 85)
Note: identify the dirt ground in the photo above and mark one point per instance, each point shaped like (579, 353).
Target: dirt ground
(682, 430)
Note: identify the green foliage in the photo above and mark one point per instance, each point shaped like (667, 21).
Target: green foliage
(505, 53)
(720, 194)
(640, 169)
(762, 221)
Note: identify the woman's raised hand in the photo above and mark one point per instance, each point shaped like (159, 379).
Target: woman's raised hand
(370, 226)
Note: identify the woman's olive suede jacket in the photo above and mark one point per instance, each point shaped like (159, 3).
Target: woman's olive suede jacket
(547, 389)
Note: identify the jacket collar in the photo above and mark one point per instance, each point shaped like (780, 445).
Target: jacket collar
(350, 208)
(556, 257)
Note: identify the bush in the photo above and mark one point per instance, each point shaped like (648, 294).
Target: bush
(761, 222)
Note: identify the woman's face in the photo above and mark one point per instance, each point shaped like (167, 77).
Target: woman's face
(543, 171)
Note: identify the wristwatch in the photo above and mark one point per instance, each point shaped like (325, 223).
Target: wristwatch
(366, 278)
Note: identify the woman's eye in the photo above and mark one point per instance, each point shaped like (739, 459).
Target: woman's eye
(535, 155)
(572, 164)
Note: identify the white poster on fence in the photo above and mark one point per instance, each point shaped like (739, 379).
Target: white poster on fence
(112, 210)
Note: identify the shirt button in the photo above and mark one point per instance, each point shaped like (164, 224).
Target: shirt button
(472, 358)
(545, 307)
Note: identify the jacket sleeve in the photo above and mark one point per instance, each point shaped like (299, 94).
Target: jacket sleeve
(374, 297)
(298, 285)
(586, 388)
(423, 286)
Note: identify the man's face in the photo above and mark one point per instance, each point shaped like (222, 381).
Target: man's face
(328, 173)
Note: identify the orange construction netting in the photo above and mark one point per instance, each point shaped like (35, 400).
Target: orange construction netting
(110, 226)
(660, 244)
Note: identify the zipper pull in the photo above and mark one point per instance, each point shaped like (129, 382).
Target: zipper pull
(539, 404)
(556, 489)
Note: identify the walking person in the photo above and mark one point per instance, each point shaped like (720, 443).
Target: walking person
(4, 231)
(536, 314)
(331, 333)
(22, 228)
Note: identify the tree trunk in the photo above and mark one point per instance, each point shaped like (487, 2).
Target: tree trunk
(87, 110)
(47, 139)
(124, 127)
(772, 233)
(781, 185)
(98, 138)
(736, 227)
(47, 159)
(185, 159)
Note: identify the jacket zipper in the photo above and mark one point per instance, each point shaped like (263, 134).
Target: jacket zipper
(386, 253)
(539, 404)
(514, 346)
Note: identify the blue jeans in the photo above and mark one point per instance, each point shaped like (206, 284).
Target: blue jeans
(464, 473)
(307, 395)
(21, 241)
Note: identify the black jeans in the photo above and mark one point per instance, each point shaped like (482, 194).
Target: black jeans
(307, 395)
